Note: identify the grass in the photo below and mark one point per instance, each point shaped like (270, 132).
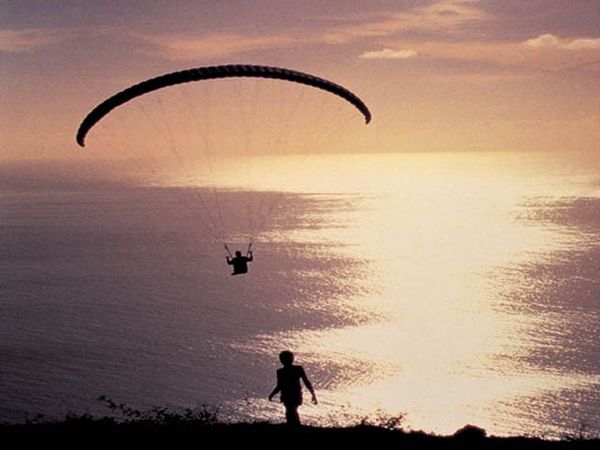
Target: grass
(201, 427)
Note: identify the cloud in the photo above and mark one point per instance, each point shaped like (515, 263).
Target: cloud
(443, 17)
(178, 47)
(29, 40)
(579, 44)
(543, 41)
(388, 53)
(398, 34)
(551, 41)
(476, 57)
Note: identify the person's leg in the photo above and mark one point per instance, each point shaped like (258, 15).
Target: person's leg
(291, 415)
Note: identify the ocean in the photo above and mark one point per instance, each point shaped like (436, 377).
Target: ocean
(445, 288)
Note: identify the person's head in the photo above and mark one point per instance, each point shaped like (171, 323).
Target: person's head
(286, 357)
(238, 253)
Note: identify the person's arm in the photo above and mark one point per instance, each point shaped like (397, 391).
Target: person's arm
(250, 255)
(309, 386)
(277, 388)
(228, 260)
(275, 391)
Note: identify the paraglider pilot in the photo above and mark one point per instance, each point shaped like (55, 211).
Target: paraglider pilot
(239, 262)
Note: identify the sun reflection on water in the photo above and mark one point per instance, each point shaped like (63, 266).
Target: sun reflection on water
(435, 231)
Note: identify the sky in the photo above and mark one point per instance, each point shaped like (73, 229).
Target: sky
(438, 75)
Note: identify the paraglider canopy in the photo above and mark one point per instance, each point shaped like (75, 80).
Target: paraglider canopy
(219, 148)
(212, 72)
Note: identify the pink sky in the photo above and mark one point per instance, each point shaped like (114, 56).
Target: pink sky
(446, 75)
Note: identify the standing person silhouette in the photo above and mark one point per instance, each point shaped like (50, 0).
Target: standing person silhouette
(288, 383)
(239, 262)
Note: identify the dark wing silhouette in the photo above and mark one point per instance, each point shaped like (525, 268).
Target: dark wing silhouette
(212, 72)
